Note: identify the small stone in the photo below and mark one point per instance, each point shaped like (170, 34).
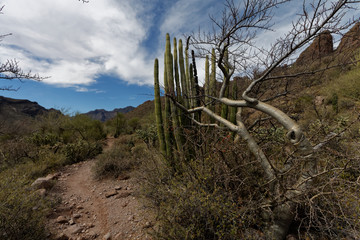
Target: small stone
(107, 236)
(71, 222)
(123, 177)
(110, 194)
(74, 229)
(61, 219)
(131, 218)
(76, 215)
(148, 225)
(123, 195)
(61, 236)
(118, 188)
(41, 192)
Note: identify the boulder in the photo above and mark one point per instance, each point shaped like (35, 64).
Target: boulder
(44, 182)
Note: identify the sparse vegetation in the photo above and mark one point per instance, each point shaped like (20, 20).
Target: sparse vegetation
(54, 141)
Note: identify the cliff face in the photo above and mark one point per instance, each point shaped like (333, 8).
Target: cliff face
(351, 40)
(103, 115)
(321, 46)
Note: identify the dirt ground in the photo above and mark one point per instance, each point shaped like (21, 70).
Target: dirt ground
(91, 209)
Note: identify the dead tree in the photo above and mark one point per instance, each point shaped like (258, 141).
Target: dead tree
(235, 33)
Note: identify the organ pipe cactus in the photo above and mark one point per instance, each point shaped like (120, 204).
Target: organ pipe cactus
(183, 76)
(158, 112)
(170, 80)
(167, 122)
(224, 107)
(212, 87)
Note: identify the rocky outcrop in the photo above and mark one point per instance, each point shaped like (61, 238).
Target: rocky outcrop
(321, 46)
(351, 40)
(103, 115)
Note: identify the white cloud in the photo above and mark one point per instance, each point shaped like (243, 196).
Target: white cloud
(74, 43)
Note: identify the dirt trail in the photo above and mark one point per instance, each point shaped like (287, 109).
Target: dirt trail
(91, 209)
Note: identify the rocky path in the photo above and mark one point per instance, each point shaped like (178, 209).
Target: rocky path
(91, 209)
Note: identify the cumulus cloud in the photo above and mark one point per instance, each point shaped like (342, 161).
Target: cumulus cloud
(75, 43)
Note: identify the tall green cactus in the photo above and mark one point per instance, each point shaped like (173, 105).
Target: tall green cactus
(176, 73)
(225, 107)
(212, 87)
(167, 122)
(233, 110)
(184, 86)
(170, 80)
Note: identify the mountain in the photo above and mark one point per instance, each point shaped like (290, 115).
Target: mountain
(17, 115)
(16, 109)
(103, 115)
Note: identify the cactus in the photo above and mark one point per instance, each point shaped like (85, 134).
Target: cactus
(170, 80)
(184, 86)
(232, 117)
(158, 113)
(224, 107)
(212, 84)
(176, 73)
(196, 88)
(167, 122)
(188, 75)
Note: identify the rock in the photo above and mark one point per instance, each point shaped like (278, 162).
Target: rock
(61, 219)
(320, 47)
(75, 229)
(291, 237)
(131, 218)
(123, 177)
(351, 40)
(71, 222)
(43, 182)
(107, 236)
(92, 235)
(61, 236)
(118, 188)
(76, 215)
(123, 195)
(41, 192)
(119, 236)
(319, 100)
(148, 225)
(110, 194)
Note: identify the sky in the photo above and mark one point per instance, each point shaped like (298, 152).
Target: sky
(99, 55)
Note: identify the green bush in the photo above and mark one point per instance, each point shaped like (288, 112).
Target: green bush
(81, 150)
(22, 213)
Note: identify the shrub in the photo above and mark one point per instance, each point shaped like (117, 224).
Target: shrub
(81, 150)
(22, 213)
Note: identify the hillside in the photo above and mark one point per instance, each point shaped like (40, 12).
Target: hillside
(16, 114)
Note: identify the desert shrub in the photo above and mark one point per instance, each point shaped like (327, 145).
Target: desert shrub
(213, 196)
(81, 150)
(148, 135)
(22, 213)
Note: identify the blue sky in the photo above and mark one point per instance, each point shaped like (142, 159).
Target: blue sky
(100, 54)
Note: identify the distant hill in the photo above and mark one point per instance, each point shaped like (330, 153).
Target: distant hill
(103, 115)
(18, 114)
(16, 109)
